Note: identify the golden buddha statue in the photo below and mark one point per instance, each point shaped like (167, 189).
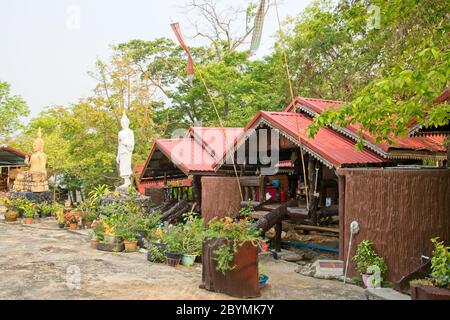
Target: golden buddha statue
(35, 178)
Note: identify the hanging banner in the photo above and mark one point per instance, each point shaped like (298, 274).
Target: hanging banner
(190, 62)
(258, 27)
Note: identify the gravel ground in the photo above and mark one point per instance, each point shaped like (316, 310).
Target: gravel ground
(42, 262)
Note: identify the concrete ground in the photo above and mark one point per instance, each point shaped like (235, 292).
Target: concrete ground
(43, 262)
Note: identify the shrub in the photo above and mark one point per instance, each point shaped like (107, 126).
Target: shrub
(365, 257)
(440, 264)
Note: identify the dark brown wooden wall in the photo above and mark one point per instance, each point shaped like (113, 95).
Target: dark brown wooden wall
(400, 210)
(220, 197)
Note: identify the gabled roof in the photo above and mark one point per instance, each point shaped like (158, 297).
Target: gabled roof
(418, 128)
(216, 140)
(313, 107)
(196, 153)
(329, 147)
(10, 156)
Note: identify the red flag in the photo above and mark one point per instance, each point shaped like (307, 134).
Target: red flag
(190, 63)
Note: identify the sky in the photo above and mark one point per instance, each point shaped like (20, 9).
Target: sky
(47, 47)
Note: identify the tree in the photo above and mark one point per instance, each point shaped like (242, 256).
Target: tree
(12, 107)
(411, 70)
(225, 29)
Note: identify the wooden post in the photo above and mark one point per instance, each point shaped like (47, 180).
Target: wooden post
(197, 191)
(277, 239)
(341, 190)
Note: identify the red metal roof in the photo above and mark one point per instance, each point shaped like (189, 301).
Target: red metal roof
(199, 150)
(13, 150)
(317, 106)
(328, 145)
(187, 154)
(216, 140)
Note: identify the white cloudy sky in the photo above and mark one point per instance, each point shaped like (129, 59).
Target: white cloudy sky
(46, 62)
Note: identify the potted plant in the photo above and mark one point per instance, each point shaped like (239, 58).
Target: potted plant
(156, 248)
(173, 238)
(45, 209)
(368, 263)
(97, 233)
(130, 241)
(60, 217)
(12, 212)
(437, 286)
(230, 257)
(73, 219)
(29, 210)
(193, 234)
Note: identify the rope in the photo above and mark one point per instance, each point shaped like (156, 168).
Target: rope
(221, 125)
(288, 74)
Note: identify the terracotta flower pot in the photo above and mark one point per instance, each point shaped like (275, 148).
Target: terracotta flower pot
(73, 226)
(130, 246)
(28, 220)
(94, 244)
(11, 216)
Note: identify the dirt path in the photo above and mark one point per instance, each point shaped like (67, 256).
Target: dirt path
(34, 264)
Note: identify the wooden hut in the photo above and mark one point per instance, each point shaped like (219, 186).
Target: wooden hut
(187, 159)
(11, 160)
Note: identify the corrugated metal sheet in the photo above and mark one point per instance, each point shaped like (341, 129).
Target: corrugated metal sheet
(10, 156)
(317, 106)
(186, 154)
(327, 144)
(216, 140)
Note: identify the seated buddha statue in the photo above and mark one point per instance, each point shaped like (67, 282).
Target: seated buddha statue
(35, 178)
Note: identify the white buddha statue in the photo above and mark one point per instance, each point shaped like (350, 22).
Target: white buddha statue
(125, 152)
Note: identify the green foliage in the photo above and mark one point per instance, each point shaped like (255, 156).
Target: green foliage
(193, 231)
(156, 253)
(60, 215)
(365, 257)
(47, 209)
(12, 108)
(440, 264)
(99, 230)
(224, 257)
(236, 233)
(390, 75)
(173, 237)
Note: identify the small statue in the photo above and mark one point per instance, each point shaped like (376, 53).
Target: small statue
(35, 179)
(125, 152)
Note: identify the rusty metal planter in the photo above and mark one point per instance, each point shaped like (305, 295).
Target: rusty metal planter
(419, 292)
(242, 281)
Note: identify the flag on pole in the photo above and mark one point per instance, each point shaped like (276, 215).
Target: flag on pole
(190, 62)
(258, 27)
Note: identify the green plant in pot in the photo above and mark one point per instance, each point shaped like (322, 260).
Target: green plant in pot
(12, 212)
(173, 238)
(437, 285)
(371, 266)
(60, 217)
(29, 210)
(235, 233)
(193, 235)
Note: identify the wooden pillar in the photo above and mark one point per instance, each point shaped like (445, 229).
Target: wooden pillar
(341, 190)
(197, 191)
(311, 182)
(277, 239)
